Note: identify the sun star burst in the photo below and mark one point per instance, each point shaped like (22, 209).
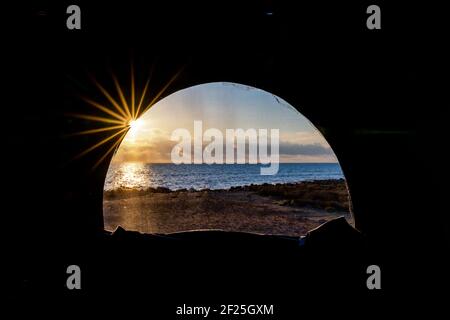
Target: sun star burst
(121, 115)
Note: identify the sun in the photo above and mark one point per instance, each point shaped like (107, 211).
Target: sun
(135, 125)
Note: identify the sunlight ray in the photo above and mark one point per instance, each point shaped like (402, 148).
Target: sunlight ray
(141, 101)
(109, 97)
(142, 98)
(132, 92)
(121, 95)
(104, 109)
(98, 144)
(115, 144)
(155, 98)
(95, 118)
(92, 131)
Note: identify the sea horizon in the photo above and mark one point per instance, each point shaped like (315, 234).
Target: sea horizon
(219, 164)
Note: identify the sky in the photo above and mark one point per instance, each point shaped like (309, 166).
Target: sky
(222, 105)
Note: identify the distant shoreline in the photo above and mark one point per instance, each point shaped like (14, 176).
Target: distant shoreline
(248, 187)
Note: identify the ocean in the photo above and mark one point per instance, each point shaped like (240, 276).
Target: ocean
(215, 176)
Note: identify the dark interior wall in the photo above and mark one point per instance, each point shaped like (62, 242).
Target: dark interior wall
(354, 85)
(364, 90)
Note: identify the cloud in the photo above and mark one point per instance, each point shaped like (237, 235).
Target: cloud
(155, 146)
(312, 149)
(153, 151)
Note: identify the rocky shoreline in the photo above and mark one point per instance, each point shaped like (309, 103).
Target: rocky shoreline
(288, 209)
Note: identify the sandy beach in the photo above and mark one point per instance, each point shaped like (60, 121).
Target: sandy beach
(285, 209)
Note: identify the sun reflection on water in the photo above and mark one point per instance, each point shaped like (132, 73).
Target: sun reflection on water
(132, 175)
